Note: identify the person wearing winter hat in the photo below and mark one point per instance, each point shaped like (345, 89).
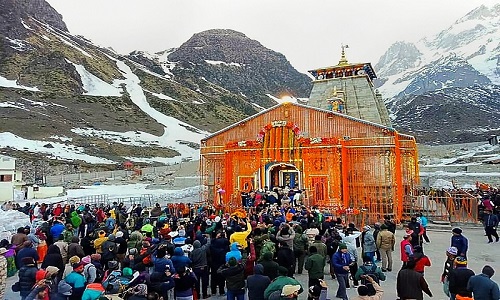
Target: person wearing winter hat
(482, 287)
(76, 280)
(459, 241)
(459, 277)
(320, 291)
(341, 261)
(98, 242)
(26, 251)
(290, 291)
(27, 276)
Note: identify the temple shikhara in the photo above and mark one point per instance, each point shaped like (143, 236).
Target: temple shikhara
(340, 149)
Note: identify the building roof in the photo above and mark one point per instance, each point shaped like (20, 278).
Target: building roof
(5, 157)
(302, 106)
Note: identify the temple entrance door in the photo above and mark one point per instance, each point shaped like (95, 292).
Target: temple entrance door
(280, 175)
(290, 178)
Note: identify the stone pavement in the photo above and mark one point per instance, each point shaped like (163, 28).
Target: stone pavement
(480, 253)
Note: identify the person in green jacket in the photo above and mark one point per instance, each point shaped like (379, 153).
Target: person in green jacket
(279, 282)
(76, 221)
(300, 245)
(68, 233)
(315, 266)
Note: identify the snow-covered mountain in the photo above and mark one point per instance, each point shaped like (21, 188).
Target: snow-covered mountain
(472, 42)
(463, 59)
(64, 98)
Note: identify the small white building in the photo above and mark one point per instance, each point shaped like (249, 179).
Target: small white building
(7, 177)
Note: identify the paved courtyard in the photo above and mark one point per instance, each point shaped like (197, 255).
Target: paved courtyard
(480, 253)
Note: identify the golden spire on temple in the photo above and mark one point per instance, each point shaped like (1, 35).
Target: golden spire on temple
(343, 59)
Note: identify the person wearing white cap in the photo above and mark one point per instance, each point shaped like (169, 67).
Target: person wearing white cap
(3, 272)
(290, 291)
(451, 254)
(368, 243)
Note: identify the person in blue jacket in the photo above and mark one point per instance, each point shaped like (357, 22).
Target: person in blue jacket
(459, 241)
(57, 229)
(179, 259)
(234, 252)
(341, 260)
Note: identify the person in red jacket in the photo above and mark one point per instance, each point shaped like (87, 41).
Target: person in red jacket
(421, 260)
(406, 248)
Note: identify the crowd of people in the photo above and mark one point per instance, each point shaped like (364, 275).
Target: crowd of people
(186, 253)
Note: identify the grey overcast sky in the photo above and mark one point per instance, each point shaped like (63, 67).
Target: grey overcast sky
(308, 32)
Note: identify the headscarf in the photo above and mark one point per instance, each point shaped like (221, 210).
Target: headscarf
(140, 290)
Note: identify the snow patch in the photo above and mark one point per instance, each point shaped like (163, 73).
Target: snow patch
(4, 82)
(55, 151)
(26, 25)
(176, 131)
(68, 43)
(18, 45)
(162, 96)
(218, 62)
(95, 86)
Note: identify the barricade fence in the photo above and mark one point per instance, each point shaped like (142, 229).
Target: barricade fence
(55, 180)
(457, 207)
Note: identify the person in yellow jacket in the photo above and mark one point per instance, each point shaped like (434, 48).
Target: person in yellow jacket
(240, 236)
(99, 241)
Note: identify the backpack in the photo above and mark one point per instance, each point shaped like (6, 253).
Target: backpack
(109, 253)
(369, 272)
(114, 283)
(99, 273)
(268, 246)
(147, 261)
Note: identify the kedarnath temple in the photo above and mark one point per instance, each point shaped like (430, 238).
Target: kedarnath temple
(339, 149)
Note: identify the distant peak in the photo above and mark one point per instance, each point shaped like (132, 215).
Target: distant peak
(221, 32)
(480, 13)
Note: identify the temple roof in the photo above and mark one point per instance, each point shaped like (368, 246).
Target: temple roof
(344, 69)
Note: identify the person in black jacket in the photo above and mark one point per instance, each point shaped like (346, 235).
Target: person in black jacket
(286, 258)
(161, 282)
(257, 283)
(233, 272)
(27, 276)
(54, 258)
(217, 257)
(87, 243)
(26, 251)
(459, 277)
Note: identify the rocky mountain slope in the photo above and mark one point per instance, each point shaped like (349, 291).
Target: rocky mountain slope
(63, 97)
(444, 88)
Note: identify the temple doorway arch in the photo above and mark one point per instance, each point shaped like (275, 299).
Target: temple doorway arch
(283, 174)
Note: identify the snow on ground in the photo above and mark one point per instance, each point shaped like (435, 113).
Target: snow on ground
(58, 150)
(10, 221)
(134, 138)
(4, 82)
(467, 153)
(94, 85)
(218, 62)
(128, 191)
(68, 43)
(162, 96)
